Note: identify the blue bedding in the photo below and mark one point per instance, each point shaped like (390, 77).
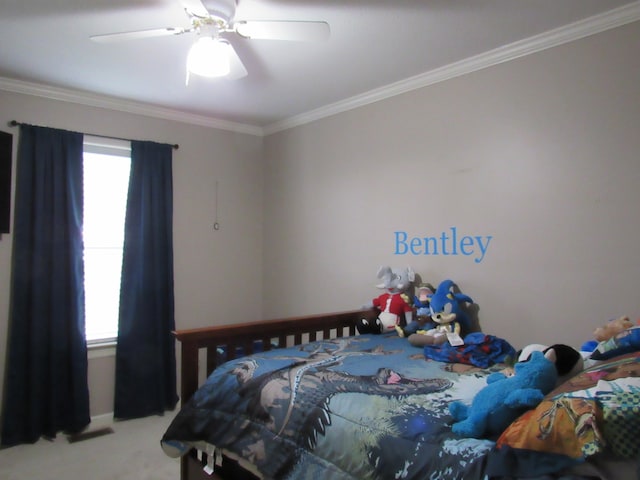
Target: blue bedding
(363, 407)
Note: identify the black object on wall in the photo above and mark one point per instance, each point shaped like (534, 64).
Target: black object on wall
(6, 143)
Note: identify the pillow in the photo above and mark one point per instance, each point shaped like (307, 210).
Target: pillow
(622, 423)
(578, 418)
(568, 426)
(624, 342)
(620, 403)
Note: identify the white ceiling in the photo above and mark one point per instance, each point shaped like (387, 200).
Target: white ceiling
(375, 47)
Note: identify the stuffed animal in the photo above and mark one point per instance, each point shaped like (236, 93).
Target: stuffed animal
(607, 331)
(567, 360)
(446, 308)
(392, 305)
(611, 328)
(504, 398)
(421, 303)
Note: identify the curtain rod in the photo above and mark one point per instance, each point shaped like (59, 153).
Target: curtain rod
(15, 123)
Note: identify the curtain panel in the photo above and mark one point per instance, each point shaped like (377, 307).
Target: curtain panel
(145, 352)
(46, 371)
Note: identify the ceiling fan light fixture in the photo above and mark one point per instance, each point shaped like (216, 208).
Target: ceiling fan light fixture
(209, 57)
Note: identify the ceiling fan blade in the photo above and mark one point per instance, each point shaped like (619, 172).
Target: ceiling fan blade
(283, 30)
(122, 36)
(238, 69)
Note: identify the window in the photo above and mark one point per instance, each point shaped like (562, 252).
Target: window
(106, 182)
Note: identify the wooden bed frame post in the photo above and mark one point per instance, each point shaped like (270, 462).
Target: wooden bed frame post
(189, 382)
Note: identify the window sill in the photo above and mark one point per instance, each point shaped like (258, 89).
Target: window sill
(102, 348)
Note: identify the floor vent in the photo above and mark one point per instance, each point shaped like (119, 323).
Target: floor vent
(80, 437)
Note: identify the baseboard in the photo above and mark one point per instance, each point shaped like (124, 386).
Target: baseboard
(98, 426)
(101, 421)
(89, 434)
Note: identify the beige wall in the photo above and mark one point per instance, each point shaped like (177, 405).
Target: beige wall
(541, 153)
(217, 273)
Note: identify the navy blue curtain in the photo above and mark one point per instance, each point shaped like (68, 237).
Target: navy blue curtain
(145, 353)
(46, 375)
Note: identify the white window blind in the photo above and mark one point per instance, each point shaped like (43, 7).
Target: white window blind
(107, 165)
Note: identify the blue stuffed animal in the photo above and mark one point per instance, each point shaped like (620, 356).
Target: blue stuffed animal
(447, 312)
(505, 398)
(447, 307)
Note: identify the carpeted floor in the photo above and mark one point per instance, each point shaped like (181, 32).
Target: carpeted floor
(131, 452)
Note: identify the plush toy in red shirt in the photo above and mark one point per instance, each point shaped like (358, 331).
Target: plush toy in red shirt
(391, 305)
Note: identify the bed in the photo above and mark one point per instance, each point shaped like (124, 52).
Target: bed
(306, 397)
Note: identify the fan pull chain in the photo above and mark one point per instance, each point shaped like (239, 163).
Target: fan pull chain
(216, 225)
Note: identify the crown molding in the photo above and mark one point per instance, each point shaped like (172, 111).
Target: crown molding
(103, 101)
(568, 33)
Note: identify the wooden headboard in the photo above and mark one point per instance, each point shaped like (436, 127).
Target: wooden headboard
(222, 343)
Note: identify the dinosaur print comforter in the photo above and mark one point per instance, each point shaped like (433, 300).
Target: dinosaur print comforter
(362, 407)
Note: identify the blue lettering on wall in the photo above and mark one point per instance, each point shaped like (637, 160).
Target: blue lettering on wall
(447, 243)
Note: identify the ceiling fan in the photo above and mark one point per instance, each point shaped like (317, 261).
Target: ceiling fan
(212, 55)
